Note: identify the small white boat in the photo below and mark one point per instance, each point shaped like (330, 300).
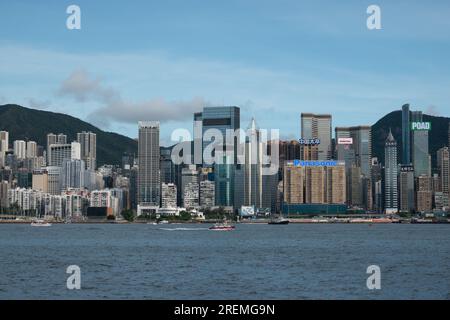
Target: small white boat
(40, 223)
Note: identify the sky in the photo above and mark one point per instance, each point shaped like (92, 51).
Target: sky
(163, 60)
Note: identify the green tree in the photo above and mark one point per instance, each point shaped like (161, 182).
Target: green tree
(128, 215)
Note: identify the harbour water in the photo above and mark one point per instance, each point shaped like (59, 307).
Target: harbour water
(188, 261)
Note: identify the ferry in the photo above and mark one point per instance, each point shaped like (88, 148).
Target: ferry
(40, 223)
(279, 220)
(224, 226)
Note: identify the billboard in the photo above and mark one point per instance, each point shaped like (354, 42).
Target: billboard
(345, 140)
(420, 126)
(317, 163)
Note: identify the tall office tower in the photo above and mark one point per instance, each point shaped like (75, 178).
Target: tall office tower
(20, 149)
(253, 167)
(443, 167)
(72, 174)
(4, 145)
(134, 172)
(424, 194)
(60, 152)
(377, 182)
(207, 194)
(198, 138)
(31, 149)
(222, 119)
(148, 153)
(354, 145)
(406, 136)
(191, 196)
(88, 143)
(390, 175)
(293, 184)
(406, 181)
(318, 126)
(168, 195)
(336, 188)
(40, 180)
(219, 118)
(167, 166)
(420, 153)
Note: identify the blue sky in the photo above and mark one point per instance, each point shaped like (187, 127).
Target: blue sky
(163, 60)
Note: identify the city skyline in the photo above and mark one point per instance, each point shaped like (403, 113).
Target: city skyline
(162, 67)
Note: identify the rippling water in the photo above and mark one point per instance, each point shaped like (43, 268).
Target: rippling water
(326, 261)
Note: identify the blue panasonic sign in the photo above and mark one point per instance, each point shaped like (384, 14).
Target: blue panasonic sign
(315, 163)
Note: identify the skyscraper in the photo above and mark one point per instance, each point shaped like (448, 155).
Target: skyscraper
(222, 119)
(420, 154)
(390, 175)
(54, 139)
(443, 167)
(253, 167)
(149, 157)
(60, 152)
(20, 149)
(88, 143)
(406, 144)
(31, 149)
(72, 174)
(318, 126)
(207, 194)
(424, 194)
(407, 198)
(4, 145)
(168, 195)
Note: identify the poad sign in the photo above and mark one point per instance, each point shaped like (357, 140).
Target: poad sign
(420, 126)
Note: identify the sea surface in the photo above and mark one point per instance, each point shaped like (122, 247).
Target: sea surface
(188, 261)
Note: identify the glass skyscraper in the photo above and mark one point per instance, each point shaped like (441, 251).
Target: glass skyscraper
(390, 175)
(406, 136)
(420, 154)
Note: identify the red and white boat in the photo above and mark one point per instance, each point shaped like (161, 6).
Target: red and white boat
(222, 227)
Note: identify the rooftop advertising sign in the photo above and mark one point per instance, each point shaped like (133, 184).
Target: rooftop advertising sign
(420, 126)
(345, 140)
(309, 141)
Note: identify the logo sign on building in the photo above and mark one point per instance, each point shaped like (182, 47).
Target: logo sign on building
(247, 211)
(420, 126)
(309, 141)
(346, 141)
(317, 163)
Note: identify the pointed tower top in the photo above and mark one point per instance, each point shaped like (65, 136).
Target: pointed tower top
(252, 125)
(390, 137)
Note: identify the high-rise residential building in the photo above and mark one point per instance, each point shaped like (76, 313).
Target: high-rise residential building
(54, 139)
(54, 180)
(88, 145)
(191, 195)
(31, 149)
(4, 146)
(293, 184)
(407, 192)
(420, 154)
(207, 194)
(443, 167)
(189, 174)
(390, 175)
(168, 195)
(149, 157)
(73, 174)
(40, 180)
(20, 149)
(60, 152)
(336, 186)
(424, 194)
(318, 126)
(406, 136)
(253, 167)
(314, 184)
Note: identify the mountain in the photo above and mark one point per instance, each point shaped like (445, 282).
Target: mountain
(30, 124)
(438, 136)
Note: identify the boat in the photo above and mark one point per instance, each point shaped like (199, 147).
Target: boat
(279, 220)
(40, 223)
(224, 226)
